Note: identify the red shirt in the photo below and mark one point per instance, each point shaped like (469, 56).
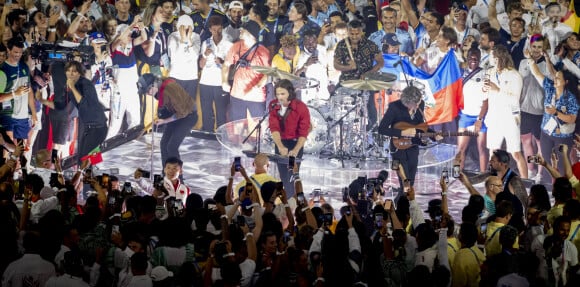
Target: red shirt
(296, 122)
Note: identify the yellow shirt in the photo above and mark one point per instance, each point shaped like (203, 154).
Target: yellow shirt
(261, 178)
(555, 211)
(466, 267)
(574, 235)
(492, 245)
(279, 62)
(453, 246)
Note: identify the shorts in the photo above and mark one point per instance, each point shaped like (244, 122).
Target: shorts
(468, 121)
(531, 124)
(18, 127)
(508, 130)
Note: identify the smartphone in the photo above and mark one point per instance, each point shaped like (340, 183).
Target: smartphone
(300, 197)
(241, 220)
(291, 162)
(348, 211)
(455, 172)
(157, 178)
(53, 179)
(286, 237)
(445, 175)
(395, 164)
(484, 228)
(127, 187)
(327, 218)
(114, 171)
(237, 163)
(533, 159)
(561, 148)
(145, 173)
(316, 194)
(327, 21)
(378, 220)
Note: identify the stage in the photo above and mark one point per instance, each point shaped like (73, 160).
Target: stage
(207, 165)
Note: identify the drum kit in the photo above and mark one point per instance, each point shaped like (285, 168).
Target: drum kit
(339, 121)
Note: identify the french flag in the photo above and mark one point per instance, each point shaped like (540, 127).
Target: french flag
(443, 88)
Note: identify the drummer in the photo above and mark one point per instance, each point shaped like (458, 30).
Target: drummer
(356, 56)
(289, 122)
(312, 67)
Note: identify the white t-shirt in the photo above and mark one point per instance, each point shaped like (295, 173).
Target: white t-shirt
(211, 72)
(567, 259)
(473, 96)
(184, 56)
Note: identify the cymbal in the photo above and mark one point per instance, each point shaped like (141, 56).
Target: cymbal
(366, 85)
(381, 76)
(274, 72)
(305, 83)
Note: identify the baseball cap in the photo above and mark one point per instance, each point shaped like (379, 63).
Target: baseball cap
(97, 38)
(160, 273)
(391, 39)
(236, 4)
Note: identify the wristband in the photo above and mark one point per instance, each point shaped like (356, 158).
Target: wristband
(444, 193)
(59, 172)
(231, 254)
(231, 177)
(50, 30)
(297, 180)
(255, 204)
(224, 217)
(305, 208)
(319, 279)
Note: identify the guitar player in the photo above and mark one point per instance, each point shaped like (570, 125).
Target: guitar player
(408, 109)
(289, 121)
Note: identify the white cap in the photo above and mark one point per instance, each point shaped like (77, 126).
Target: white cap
(236, 4)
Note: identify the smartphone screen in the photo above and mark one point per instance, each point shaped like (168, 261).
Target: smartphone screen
(237, 163)
(300, 197)
(379, 220)
(456, 170)
(316, 194)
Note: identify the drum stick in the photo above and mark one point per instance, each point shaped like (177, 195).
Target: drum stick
(347, 41)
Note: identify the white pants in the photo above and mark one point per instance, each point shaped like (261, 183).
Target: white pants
(128, 101)
(509, 130)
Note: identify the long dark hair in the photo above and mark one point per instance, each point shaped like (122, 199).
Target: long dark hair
(288, 86)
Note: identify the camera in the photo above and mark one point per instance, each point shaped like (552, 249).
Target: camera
(49, 52)
(379, 220)
(127, 188)
(300, 197)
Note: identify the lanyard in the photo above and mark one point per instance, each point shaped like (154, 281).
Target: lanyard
(575, 231)
(485, 2)
(506, 176)
(465, 34)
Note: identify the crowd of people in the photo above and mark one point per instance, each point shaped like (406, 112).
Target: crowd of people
(115, 63)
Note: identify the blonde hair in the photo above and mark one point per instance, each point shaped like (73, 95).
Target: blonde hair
(288, 41)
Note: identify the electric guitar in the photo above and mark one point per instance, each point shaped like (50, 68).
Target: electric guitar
(403, 143)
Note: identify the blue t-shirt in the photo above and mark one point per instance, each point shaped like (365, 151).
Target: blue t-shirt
(566, 104)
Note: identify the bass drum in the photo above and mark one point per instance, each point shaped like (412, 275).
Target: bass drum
(318, 136)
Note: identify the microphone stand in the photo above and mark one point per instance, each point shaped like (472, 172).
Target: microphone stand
(258, 129)
(404, 72)
(340, 122)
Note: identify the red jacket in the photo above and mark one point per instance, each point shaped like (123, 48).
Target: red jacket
(295, 124)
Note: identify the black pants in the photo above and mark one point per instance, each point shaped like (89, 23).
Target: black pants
(286, 173)
(409, 159)
(90, 136)
(174, 134)
(208, 96)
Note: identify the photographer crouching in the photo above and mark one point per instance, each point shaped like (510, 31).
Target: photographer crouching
(93, 122)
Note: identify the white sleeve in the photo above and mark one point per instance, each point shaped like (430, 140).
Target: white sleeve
(316, 245)
(573, 254)
(416, 214)
(570, 66)
(145, 185)
(442, 249)
(353, 241)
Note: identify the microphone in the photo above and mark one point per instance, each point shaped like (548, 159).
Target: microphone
(274, 105)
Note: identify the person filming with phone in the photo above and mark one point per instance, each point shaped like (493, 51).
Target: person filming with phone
(289, 121)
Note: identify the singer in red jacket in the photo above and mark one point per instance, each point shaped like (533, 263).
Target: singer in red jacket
(289, 122)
